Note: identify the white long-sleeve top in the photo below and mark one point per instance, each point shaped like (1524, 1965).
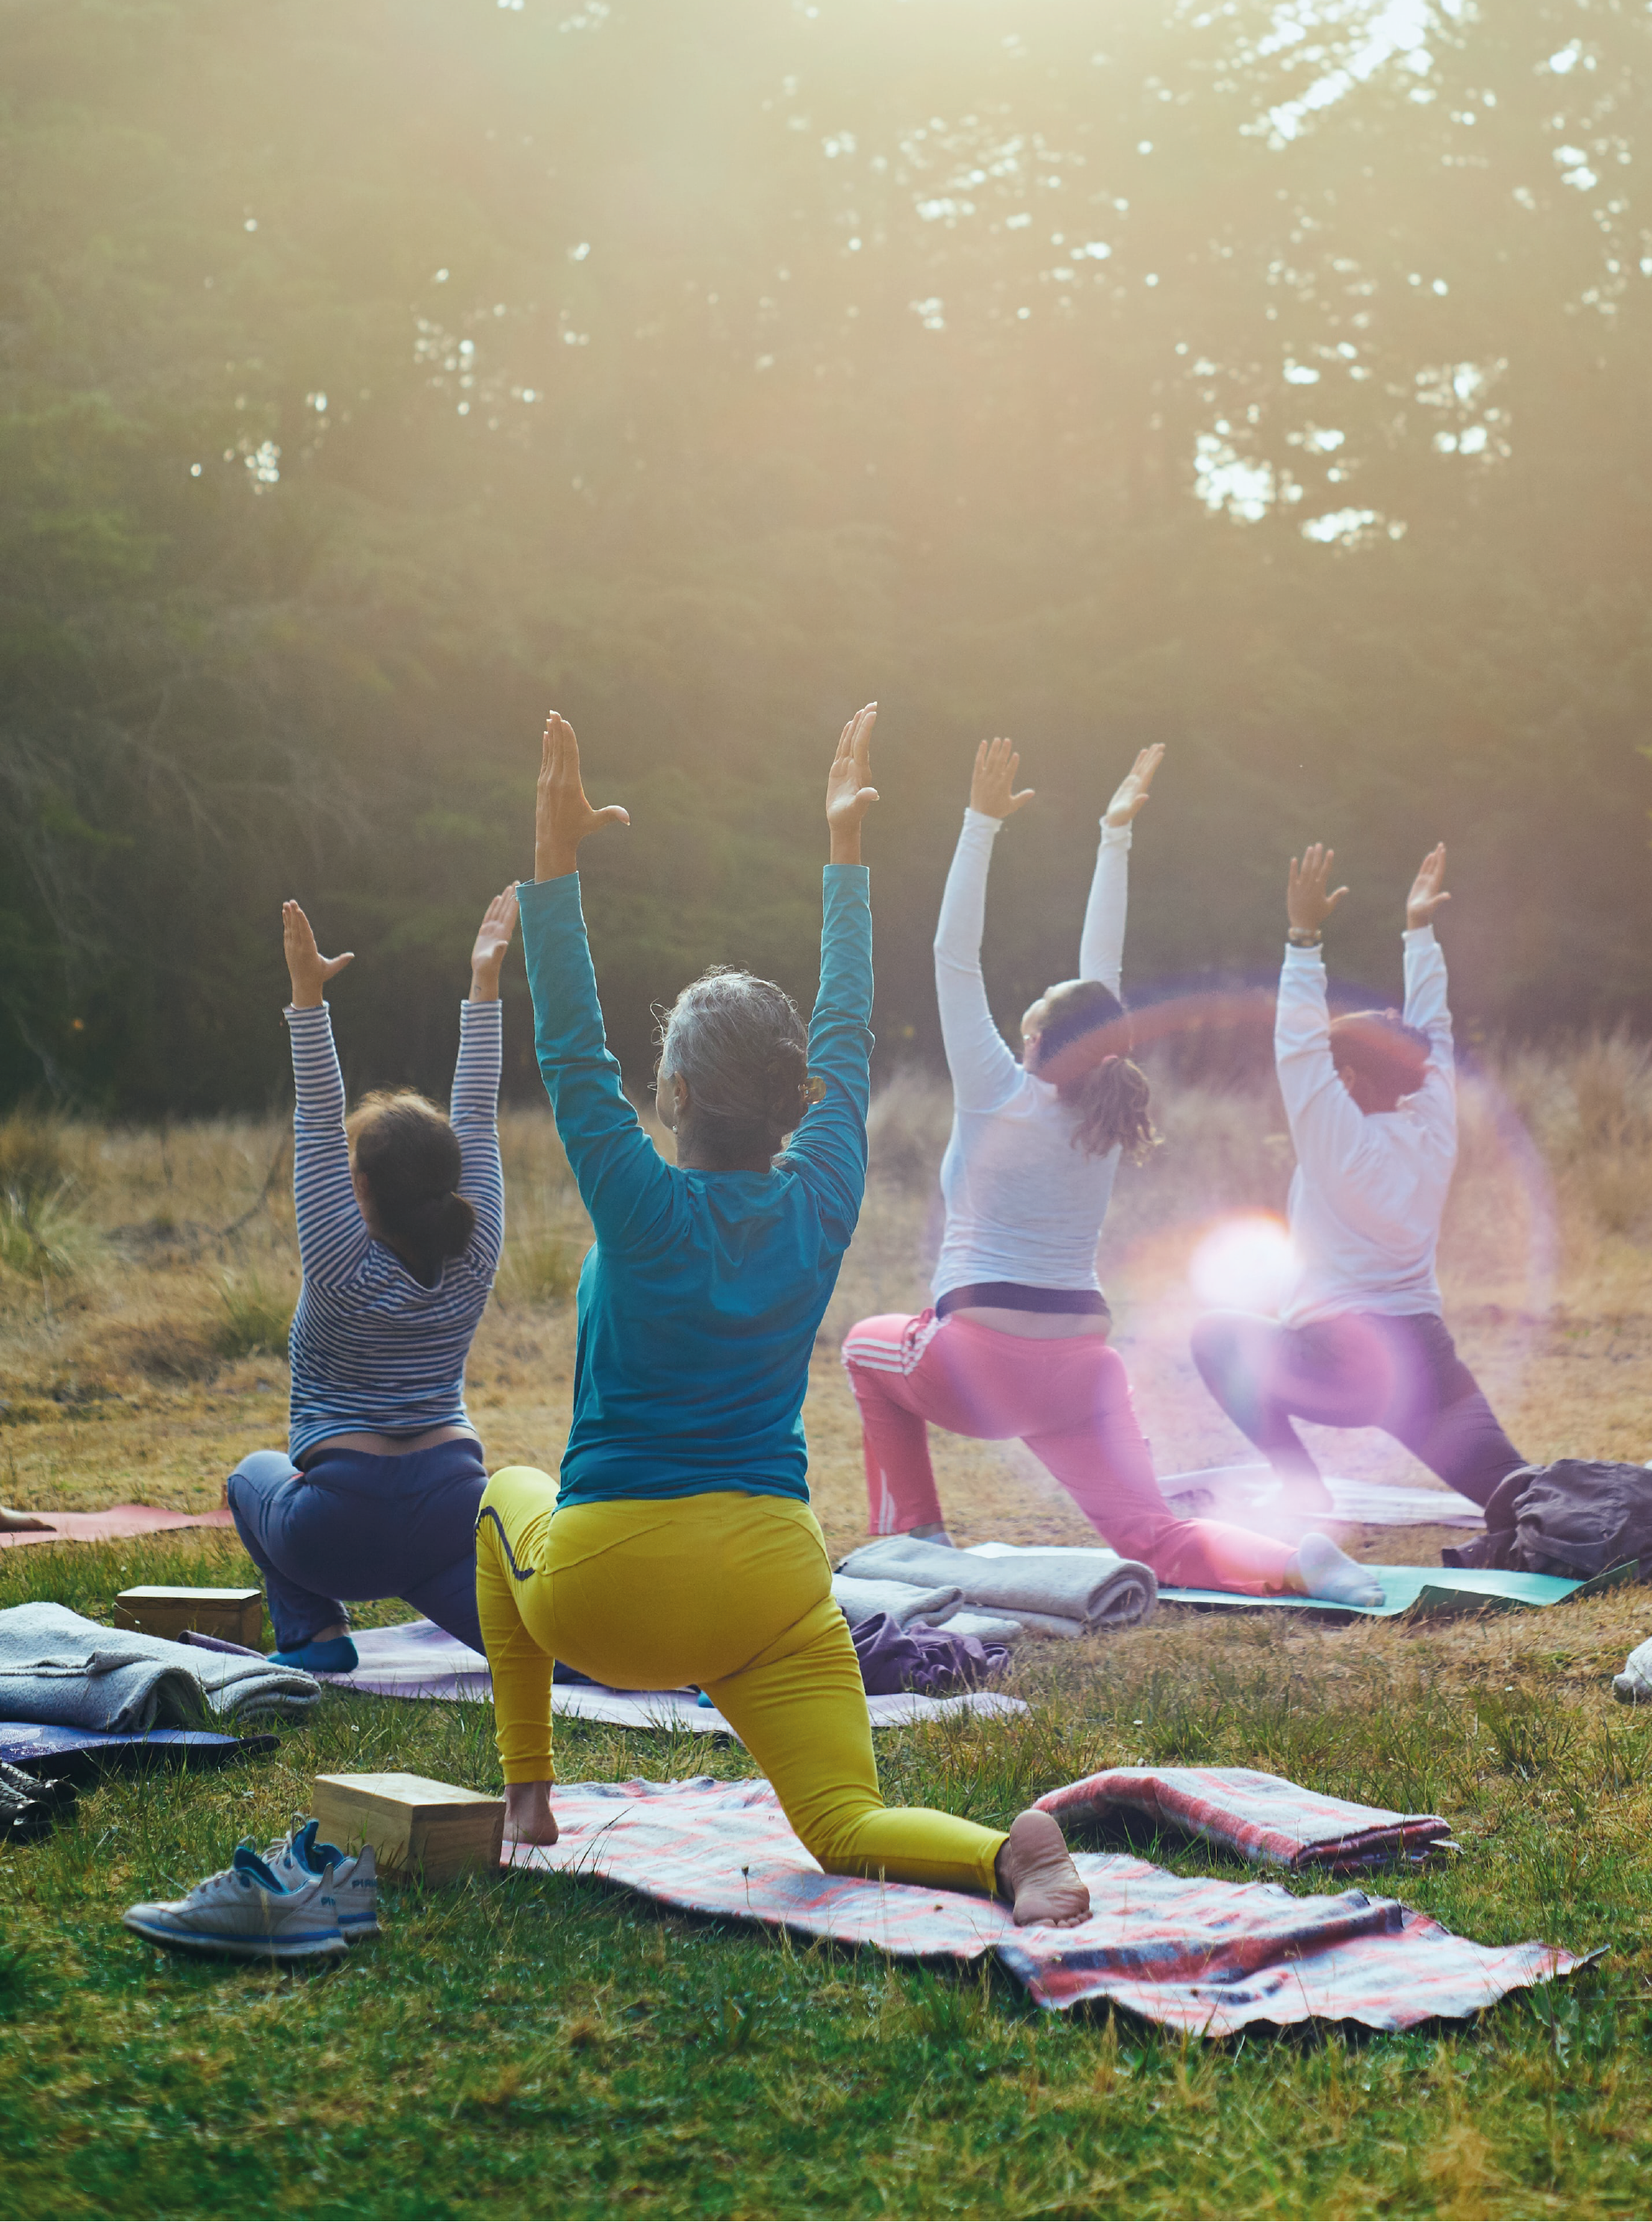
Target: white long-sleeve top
(1370, 1188)
(1023, 1202)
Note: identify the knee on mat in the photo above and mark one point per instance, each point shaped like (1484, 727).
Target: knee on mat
(838, 1854)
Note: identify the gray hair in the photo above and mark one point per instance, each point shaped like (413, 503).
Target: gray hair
(741, 1045)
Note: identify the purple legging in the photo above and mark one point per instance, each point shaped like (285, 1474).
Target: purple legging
(1363, 1369)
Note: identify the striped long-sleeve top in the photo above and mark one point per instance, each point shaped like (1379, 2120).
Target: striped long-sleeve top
(373, 1349)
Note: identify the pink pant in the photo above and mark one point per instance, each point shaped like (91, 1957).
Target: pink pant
(1069, 1400)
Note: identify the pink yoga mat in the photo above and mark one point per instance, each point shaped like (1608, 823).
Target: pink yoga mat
(112, 1522)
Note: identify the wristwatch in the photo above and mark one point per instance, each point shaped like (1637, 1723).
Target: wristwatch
(1300, 937)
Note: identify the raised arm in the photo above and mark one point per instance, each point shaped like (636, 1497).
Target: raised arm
(333, 1238)
(1327, 1125)
(983, 1072)
(829, 1148)
(623, 1183)
(1101, 948)
(474, 1109)
(1427, 1007)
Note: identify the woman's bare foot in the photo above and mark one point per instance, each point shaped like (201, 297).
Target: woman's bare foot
(23, 1524)
(528, 1816)
(1036, 1875)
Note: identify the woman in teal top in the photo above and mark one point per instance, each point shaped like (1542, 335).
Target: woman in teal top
(680, 1547)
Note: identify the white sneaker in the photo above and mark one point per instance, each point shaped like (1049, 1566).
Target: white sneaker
(298, 1857)
(245, 1912)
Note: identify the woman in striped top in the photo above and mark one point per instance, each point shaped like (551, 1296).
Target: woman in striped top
(401, 1217)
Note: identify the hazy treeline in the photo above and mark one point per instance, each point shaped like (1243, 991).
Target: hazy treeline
(375, 372)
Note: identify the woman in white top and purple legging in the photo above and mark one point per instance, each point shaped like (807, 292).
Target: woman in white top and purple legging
(401, 1218)
(1372, 1100)
(1017, 1344)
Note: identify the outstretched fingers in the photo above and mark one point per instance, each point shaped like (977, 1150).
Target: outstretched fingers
(860, 747)
(1146, 763)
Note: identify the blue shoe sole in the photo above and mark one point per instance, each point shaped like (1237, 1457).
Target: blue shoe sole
(242, 1948)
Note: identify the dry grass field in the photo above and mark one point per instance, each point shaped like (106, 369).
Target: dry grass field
(146, 1278)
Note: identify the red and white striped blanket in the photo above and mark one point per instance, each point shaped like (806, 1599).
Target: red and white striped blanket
(1261, 1817)
(1195, 1954)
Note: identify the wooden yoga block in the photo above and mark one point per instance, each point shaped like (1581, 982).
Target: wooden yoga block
(236, 1616)
(413, 1824)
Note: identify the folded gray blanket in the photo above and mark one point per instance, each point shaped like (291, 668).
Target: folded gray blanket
(66, 1671)
(904, 1602)
(1081, 1588)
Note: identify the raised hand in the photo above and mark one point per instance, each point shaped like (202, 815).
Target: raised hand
(1306, 900)
(992, 783)
(1131, 795)
(850, 795)
(493, 939)
(562, 817)
(307, 968)
(1427, 894)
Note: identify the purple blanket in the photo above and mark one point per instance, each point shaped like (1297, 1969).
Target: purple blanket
(1206, 1956)
(1261, 1817)
(931, 1660)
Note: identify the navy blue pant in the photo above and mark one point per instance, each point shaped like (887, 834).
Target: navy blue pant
(354, 1525)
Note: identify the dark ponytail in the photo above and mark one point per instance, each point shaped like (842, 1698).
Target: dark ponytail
(1081, 1051)
(408, 1156)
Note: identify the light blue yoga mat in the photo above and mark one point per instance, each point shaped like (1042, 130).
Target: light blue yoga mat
(1430, 1592)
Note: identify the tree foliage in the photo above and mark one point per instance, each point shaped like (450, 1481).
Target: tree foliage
(1265, 379)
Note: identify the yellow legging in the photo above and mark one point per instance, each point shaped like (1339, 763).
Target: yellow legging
(730, 1590)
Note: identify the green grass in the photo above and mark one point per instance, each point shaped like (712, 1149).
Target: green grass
(541, 2044)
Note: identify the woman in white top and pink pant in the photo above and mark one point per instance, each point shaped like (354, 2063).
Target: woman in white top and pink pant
(1016, 1345)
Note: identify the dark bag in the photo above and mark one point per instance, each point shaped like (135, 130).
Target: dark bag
(1577, 1518)
(927, 1660)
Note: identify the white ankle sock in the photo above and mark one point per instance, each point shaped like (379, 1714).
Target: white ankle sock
(1329, 1573)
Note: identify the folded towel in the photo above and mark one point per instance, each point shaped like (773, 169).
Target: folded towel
(59, 1668)
(1263, 1818)
(1082, 1589)
(903, 1602)
(1049, 1623)
(985, 1627)
(1633, 1684)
